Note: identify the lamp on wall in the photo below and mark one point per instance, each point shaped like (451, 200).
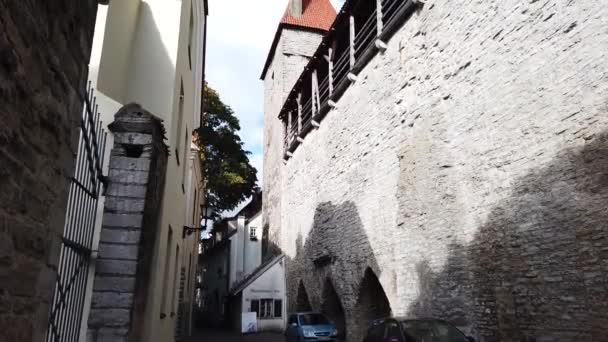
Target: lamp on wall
(207, 215)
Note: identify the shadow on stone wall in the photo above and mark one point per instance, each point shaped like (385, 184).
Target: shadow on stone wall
(537, 270)
(337, 270)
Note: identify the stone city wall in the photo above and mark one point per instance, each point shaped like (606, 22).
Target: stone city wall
(291, 55)
(463, 176)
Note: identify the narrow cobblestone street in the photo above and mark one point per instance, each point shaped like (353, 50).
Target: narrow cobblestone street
(223, 336)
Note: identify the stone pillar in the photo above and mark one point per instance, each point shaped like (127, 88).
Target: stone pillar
(131, 217)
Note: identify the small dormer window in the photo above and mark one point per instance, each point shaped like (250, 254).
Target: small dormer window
(253, 234)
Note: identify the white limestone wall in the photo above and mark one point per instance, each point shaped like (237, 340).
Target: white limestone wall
(253, 248)
(469, 158)
(270, 285)
(293, 51)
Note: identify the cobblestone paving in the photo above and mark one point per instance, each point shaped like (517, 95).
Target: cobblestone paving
(222, 336)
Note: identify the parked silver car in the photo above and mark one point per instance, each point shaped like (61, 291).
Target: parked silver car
(310, 326)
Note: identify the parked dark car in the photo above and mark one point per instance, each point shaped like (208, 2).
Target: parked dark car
(414, 330)
(310, 326)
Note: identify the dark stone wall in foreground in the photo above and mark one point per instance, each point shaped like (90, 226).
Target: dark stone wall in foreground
(44, 53)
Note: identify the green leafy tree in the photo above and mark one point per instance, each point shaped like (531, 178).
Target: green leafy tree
(228, 175)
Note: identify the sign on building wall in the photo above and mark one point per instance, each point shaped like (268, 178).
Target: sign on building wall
(249, 323)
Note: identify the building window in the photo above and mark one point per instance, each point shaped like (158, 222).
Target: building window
(278, 308)
(175, 283)
(186, 148)
(255, 307)
(188, 283)
(194, 207)
(267, 308)
(191, 36)
(180, 118)
(164, 298)
(253, 236)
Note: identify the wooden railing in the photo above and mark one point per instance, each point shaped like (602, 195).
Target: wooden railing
(341, 68)
(379, 22)
(366, 35)
(306, 115)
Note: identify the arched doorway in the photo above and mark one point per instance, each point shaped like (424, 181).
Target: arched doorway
(372, 303)
(302, 302)
(332, 308)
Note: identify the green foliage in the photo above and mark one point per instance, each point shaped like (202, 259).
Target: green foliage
(229, 177)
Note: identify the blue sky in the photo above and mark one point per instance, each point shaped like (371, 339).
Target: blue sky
(239, 36)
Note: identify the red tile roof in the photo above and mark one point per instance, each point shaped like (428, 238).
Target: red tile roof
(317, 14)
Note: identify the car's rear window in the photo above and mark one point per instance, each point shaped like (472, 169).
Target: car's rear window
(313, 319)
(432, 331)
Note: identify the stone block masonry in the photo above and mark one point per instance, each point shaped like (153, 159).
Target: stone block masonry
(44, 53)
(292, 53)
(136, 179)
(463, 176)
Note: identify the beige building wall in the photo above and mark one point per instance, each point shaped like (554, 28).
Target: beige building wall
(151, 52)
(161, 316)
(195, 190)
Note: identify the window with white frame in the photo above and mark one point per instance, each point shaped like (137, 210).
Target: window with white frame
(267, 308)
(253, 236)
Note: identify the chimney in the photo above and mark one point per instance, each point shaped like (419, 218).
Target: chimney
(296, 7)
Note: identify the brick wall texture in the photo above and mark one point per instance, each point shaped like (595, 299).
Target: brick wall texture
(44, 52)
(464, 176)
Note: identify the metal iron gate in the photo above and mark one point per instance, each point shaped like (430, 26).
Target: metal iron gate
(77, 241)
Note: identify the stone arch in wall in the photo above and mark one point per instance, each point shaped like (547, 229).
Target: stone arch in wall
(302, 302)
(331, 306)
(372, 303)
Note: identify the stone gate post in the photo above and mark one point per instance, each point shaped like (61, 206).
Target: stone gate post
(131, 216)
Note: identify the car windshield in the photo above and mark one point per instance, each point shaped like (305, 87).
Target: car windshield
(432, 331)
(313, 319)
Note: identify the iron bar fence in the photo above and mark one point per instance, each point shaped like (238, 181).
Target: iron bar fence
(67, 306)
